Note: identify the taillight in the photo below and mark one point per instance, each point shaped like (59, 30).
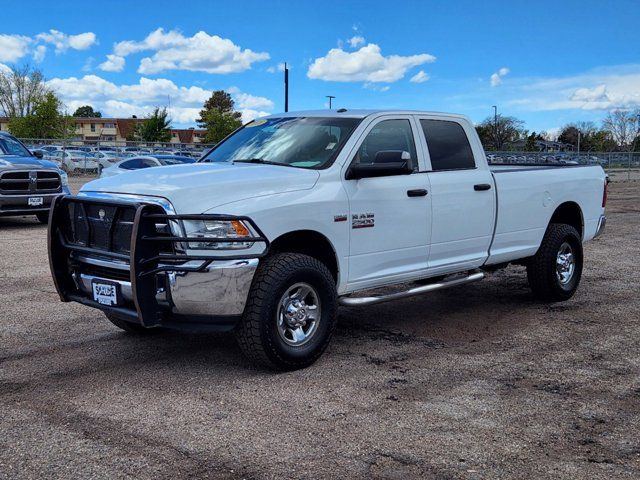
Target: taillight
(604, 193)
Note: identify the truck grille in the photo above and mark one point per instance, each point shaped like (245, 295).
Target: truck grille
(105, 227)
(21, 182)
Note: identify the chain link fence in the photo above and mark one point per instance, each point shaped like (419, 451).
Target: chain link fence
(79, 157)
(619, 165)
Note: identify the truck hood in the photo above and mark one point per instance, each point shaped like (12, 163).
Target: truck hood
(14, 162)
(196, 188)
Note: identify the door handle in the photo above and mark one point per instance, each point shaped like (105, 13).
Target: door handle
(482, 186)
(418, 192)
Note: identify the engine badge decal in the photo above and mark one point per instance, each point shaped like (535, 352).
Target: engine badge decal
(363, 220)
(340, 218)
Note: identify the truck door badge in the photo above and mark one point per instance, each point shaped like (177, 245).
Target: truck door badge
(363, 220)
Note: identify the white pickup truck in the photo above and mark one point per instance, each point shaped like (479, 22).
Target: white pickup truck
(297, 213)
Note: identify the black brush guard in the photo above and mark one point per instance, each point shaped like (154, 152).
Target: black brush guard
(146, 260)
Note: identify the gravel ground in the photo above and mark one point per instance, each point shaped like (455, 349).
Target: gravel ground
(475, 382)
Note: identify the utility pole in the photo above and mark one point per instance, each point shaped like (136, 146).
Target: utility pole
(579, 134)
(286, 87)
(495, 126)
(330, 97)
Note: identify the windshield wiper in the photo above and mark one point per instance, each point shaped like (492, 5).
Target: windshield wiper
(261, 161)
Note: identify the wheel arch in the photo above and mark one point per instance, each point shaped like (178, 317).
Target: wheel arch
(569, 213)
(309, 242)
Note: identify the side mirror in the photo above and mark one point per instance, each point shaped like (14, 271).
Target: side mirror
(37, 154)
(386, 163)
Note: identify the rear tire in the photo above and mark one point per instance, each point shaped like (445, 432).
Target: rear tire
(290, 313)
(554, 272)
(129, 327)
(43, 217)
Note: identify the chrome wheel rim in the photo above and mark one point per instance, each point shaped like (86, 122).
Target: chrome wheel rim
(298, 314)
(565, 263)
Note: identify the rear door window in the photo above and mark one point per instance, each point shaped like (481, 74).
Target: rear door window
(448, 145)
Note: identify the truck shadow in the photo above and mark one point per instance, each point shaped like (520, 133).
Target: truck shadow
(21, 223)
(453, 317)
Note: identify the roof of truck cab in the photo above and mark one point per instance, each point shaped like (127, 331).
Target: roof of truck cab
(347, 113)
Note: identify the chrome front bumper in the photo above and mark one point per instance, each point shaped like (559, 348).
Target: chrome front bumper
(220, 290)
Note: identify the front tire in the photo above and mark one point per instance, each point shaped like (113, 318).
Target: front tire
(555, 271)
(290, 313)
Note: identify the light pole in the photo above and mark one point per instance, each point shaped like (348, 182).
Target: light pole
(330, 97)
(495, 126)
(286, 87)
(579, 134)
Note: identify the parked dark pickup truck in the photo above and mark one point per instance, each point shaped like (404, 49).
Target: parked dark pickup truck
(28, 184)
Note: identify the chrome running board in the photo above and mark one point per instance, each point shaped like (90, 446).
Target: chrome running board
(361, 301)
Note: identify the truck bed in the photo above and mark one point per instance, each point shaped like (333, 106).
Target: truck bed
(528, 195)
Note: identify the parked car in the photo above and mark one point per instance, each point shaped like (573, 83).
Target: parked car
(51, 148)
(28, 184)
(74, 161)
(295, 214)
(105, 159)
(147, 161)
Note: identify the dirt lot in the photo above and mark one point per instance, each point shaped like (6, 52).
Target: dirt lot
(475, 382)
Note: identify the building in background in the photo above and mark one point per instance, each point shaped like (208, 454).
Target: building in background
(117, 130)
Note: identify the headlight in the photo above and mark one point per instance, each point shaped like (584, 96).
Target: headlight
(218, 230)
(64, 178)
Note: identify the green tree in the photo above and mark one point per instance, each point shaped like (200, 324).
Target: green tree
(87, 111)
(219, 117)
(530, 144)
(45, 121)
(156, 127)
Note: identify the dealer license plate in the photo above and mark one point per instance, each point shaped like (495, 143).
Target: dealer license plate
(105, 293)
(35, 201)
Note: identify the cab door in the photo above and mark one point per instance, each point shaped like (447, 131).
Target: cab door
(390, 216)
(463, 195)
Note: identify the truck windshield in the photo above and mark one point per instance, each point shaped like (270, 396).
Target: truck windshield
(10, 146)
(305, 142)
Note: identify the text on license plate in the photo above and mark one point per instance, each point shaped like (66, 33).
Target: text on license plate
(105, 293)
(35, 201)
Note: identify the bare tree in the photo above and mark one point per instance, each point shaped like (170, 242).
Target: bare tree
(499, 131)
(20, 87)
(623, 127)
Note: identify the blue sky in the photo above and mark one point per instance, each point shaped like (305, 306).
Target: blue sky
(546, 62)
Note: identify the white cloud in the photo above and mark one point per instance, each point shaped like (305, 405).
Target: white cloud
(375, 87)
(356, 41)
(39, 53)
(277, 68)
(113, 63)
(247, 101)
(603, 88)
(595, 94)
(249, 114)
(496, 78)
(201, 52)
(63, 42)
(366, 64)
(13, 47)
(142, 97)
(419, 77)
